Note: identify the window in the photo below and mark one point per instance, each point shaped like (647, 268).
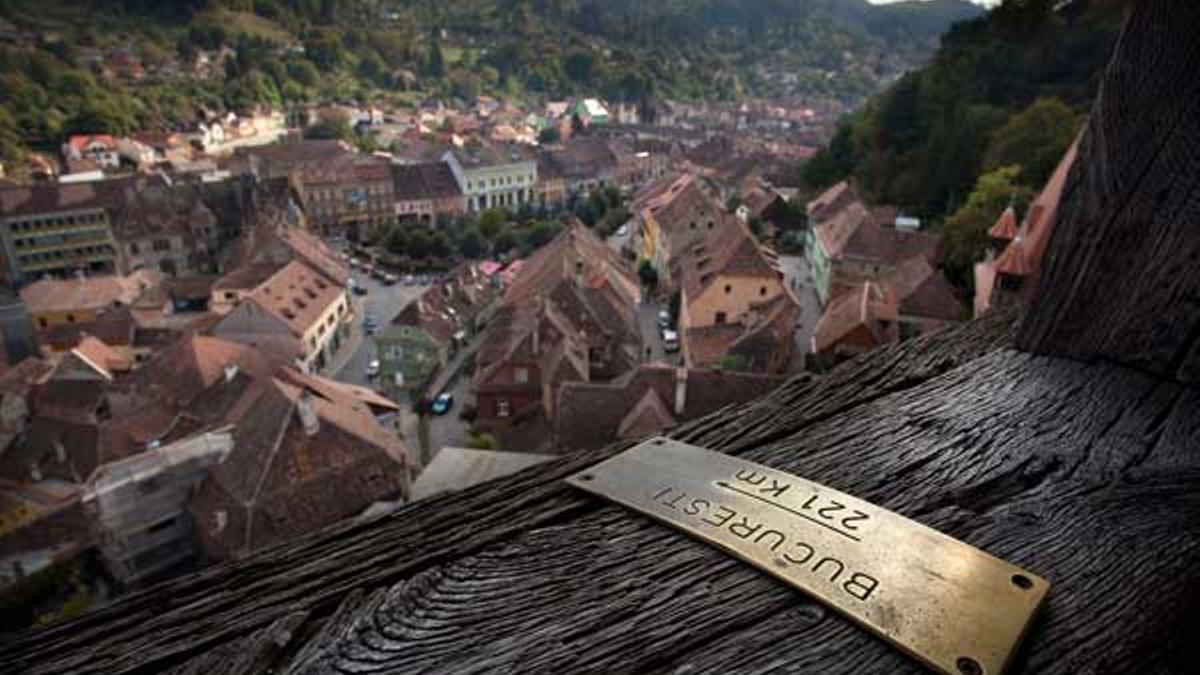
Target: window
(710, 224)
(762, 291)
(728, 289)
(693, 225)
(230, 295)
(521, 375)
(42, 322)
(720, 318)
(502, 409)
(70, 318)
(162, 245)
(133, 249)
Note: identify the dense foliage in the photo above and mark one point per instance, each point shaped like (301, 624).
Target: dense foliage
(983, 125)
(56, 55)
(1008, 89)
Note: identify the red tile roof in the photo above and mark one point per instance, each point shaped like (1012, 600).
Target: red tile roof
(866, 306)
(1005, 228)
(296, 295)
(729, 251)
(832, 200)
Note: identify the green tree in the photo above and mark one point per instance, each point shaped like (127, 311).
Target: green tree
(436, 64)
(647, 274)
(11, 148)
(482, 441)
(504, 242)
(1034, 139)
(580, 65)
(538, 235)
(471, 244)
(735, 363)
(491, 222)
(333, 125)
(964, 234)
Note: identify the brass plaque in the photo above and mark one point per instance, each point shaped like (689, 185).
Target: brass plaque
(950, 605)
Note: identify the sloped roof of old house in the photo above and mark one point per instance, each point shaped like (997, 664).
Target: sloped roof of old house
(648, 416)
(1023, 256)
(1006, 226)
(865, 306)
(923, 291)
(428, 180)
(78, 293)
(296, 295)
(591, 413)
(832, 200)
(729, 251)
(315, 252)
(837, 230)
(583, 157)
(877, 239)
(102, 357)
(148, 206)
(458, 468)
(287, 479)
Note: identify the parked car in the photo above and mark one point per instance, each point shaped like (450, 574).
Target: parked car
(373, 369)
(369, 324)
(622, 230)
(390, 279)
(356, 287)
(409, 280)
(670, 341)
(664, 319)
(442, 404)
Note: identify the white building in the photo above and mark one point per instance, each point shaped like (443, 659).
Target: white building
(494, 177)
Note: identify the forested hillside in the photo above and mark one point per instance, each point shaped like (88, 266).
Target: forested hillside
(984, 124)
(57, 56)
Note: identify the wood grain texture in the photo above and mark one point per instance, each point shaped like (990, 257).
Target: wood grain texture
(1083, 473)
(1121, 277)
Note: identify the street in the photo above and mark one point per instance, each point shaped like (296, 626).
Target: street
(382, 302)
(652, 334)
(797, 277)
(449, 430)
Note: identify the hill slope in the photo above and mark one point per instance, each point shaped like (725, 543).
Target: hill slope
(981, 126)
(55, 55)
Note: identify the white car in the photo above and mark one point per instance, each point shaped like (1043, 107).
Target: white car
(670, 341)
(373, 369)
(622, 230)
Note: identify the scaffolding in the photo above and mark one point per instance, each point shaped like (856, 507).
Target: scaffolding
(138, 505)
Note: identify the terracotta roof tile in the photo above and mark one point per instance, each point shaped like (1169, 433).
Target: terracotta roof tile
(1005, 228)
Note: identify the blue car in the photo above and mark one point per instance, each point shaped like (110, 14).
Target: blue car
(442, 404)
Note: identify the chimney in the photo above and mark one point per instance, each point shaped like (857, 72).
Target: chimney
(681, 376)
(231, 371)
(308, 416)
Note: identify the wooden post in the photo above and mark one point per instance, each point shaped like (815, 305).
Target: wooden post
(1121, 277)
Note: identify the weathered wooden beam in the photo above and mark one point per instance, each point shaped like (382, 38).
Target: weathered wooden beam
(1121, 275)
(170, 623)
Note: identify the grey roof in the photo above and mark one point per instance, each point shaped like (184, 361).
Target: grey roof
(457, 468)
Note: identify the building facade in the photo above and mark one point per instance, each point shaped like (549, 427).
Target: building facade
(56, 230)
(494, 177)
